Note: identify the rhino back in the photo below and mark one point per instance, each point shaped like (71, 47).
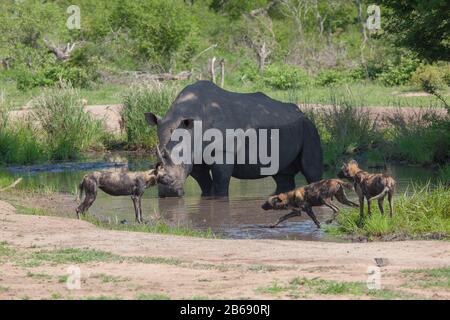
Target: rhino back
(218, 108)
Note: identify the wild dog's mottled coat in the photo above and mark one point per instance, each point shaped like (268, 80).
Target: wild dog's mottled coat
(304, 198)
(370, 186)
(117, 184)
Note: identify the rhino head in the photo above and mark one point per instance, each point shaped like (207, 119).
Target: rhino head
(172, 183)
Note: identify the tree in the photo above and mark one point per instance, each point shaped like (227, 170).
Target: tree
(420, 25)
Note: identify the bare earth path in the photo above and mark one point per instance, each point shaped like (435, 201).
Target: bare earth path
(184, 267)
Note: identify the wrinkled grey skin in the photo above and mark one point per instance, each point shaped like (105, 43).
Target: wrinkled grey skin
(300, 149)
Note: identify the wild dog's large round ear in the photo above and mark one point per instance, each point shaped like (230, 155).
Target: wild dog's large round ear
(152, 119)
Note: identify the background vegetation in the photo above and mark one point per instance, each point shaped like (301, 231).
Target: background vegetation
(303, 51)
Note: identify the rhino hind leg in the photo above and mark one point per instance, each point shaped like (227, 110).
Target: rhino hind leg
(285, 182)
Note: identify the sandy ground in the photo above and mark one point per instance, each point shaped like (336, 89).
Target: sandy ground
(207, 268)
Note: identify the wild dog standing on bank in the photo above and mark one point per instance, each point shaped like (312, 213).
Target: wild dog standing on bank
(304, 198)
(370, 186)
(118, 184)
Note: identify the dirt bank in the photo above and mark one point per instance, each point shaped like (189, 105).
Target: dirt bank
(153, 265)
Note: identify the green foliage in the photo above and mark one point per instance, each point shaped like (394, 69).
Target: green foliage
(418, 212)
(429, 78)
(19, 141)
(345, 131)
(159, 28)
(423, 139)
(67, 128)
(399, 72)
(139, 100)
(331, 77)
(285, 77)
(420, 25)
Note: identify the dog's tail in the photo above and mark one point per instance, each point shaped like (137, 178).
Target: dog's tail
(385, 190)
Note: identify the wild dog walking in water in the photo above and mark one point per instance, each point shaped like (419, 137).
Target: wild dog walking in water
(370, 186)
(118, 184)
(304, 198)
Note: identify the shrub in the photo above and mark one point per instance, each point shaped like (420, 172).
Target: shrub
(19, 141)
(422, 138)
(67, 128)
(344, 130)
(53, 72)
(329, 77)
(429, 78)
(285, 77)
(399, 72)
(139, 100)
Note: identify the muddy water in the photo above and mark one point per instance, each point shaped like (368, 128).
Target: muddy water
(240, 216)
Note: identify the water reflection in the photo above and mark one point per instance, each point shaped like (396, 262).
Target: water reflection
(239, 216)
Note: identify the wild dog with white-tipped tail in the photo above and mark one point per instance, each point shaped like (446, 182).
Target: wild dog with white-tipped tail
(370, 186)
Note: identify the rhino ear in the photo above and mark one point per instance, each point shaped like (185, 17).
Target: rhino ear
(187, 123)
(152, 119)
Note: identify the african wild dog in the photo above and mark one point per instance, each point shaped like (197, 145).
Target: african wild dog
(118, 184)
(369, 186)
(304, 198)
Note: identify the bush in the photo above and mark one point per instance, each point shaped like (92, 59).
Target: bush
(344, 130)
(429, 78)
(399, 72)
(285, 77)
(52, 72)
(20, 142)
(421, 139)
(139, 100)
(67, 128)
(330, 77)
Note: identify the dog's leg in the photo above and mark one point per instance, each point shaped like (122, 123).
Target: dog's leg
(380, 205)
(312, 216)
(87, 203)
(361, 209)
(329, 204)
(140, 209)
(136, 208)
(285, 217)
(342, 198)
(369, 212)
(391, 204)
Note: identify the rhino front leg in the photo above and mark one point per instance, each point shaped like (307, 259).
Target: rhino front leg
(221, 175)
(203, 177)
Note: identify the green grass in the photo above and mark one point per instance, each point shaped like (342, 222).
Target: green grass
(42, 276)
(74, 255)
(139, 100)
(107, 278)
(3, 289)
(428, 278)
(419, 212)
(30, 211)
(152, 296)
(159, 227)
(330, 287)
